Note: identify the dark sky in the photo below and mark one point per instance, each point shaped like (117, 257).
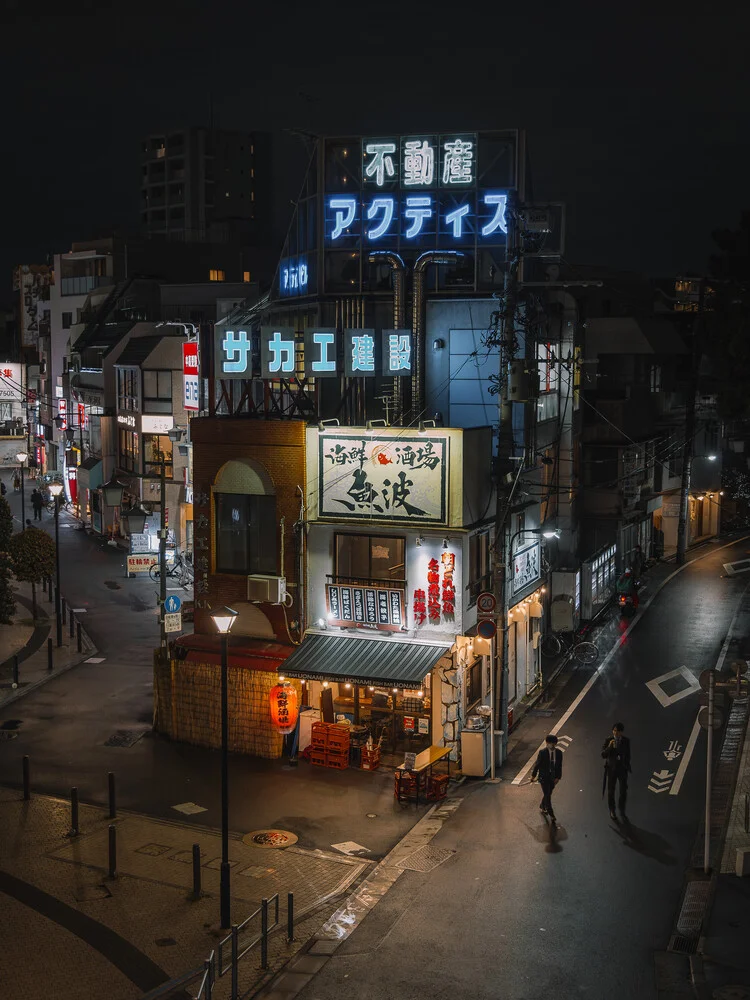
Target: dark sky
(637, 121)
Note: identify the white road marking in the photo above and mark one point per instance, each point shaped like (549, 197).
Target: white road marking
(95, 659)
(664, 699)
(79, 611)
(189, 808)
(677, 784)
(349, 847)
(605, 662)
(734, 568)
(563, 742)
(673, 751)
(660, 781)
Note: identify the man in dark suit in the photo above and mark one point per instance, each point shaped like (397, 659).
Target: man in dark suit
(548, 768)
(616, 754)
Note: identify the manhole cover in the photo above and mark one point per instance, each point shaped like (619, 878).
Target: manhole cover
(425, 859)
(112, 585)
(125, 738)
(165, 942)
(269, 838)
(153, 850)
(6, 734)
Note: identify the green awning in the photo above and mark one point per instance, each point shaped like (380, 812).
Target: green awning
(363, 661)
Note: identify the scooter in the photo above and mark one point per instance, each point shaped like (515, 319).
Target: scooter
(628, 604)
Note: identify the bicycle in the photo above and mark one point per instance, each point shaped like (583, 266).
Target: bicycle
(65, 505)
(582, 650)
(180, 570)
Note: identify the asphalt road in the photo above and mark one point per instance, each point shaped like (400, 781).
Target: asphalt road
(522, 911)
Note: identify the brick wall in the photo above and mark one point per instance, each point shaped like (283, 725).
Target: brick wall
(280, 447)
(188, 706)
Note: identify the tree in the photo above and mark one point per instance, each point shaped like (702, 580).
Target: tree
(7, 597)
(32, 555)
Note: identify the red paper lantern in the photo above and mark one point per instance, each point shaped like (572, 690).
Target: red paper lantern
(284, 707)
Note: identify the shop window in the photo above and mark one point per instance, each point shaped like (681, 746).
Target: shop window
(127, 389)
(128, 450)
(157, 392)
(157, 448)
(370, 558)
(480, 576)
(245, 534)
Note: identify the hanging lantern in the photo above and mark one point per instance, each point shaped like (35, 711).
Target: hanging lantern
(284, 708)
(535, 609)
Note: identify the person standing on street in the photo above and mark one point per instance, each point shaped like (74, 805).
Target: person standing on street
(37, 502)
(616, 754)
(548, 767)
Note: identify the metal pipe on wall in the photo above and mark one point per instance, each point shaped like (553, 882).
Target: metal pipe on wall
(398, 273)
(417, 374)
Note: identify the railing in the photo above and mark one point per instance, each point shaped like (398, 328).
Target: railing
(363, 581)
(207, 977)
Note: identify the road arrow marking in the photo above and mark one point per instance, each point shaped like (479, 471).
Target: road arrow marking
(563, 742)
(660, 781)
(664, 699)
(674, 751)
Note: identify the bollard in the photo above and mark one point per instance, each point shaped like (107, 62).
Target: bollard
(72, 625)
(112, 851)
(26, 778)
(264, 934)
(290, 917)
(49, 654)
(78, 636)
(74, 812)
(235, 962)
(196, 871)
(112, 799)
(62, 609)
(208, 976)
(15, 671)
(50, 595)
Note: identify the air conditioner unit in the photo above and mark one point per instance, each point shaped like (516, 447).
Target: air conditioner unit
(266, 589)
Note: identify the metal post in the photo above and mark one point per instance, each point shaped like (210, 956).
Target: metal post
(290, 917)
(74, 812)
(112, 796)
(709, 767)
(112, 851)
(50, 595)
(208, 976)
(264, 934)
(493, 661)
(163, 553)
(196, 871)
(26, 778)
(225, 891)
(49, 654)
(235, 964)
(747, 814)
(23, 505)
(78, 636)
(687, 448)
(57, 571)
(63, 608)
(15, 670)
(72, 624)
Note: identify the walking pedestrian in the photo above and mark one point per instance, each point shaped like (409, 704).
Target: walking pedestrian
(16, 483)
(616, 754)
(636, 563)
(37, 502)
(548, 767)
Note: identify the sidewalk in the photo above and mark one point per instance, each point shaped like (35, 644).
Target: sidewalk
(122, 937)
(27, 639)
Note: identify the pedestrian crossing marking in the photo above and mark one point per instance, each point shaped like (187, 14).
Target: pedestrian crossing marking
(664, 699)
(660, 781)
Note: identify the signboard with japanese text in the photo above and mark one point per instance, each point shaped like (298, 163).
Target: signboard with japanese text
(277, 353)
(379, 608)
(400, 478)
(11, 385)
(526, 567)
(190, 375)
(139, 564)
(173, 622)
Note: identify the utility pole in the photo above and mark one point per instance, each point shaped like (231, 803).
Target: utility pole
(163, 552)
(687, 451)
(504, 450)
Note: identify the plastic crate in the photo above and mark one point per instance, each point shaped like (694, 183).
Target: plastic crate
(318, 757)
(370, 759)
(338, 761)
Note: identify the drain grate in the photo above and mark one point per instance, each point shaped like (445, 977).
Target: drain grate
(683, 945)
(125, 738)
(425, 859)
(693, 909)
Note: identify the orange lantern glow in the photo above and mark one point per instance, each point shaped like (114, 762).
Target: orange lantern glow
(284, 708)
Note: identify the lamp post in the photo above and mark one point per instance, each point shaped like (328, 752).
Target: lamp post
(56, 489)
(224, 619)
(22, 456)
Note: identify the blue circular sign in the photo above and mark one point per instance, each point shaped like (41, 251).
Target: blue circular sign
(172, 604)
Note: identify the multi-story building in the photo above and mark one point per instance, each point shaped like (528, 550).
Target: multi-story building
(207, 185)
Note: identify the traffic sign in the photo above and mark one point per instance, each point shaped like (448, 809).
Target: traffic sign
(705, 679)
(172, 604)
(717, 720)
(487, 629)
(486, 603)
(173, 622)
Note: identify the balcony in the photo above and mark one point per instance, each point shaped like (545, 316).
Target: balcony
(84, 284)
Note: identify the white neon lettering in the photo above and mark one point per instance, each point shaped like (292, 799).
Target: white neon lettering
(363, 353)
(456, 219)
(278, 348)
(386, 205)
(324, 363)
(458, 162)
(236, 348)
(399, 352)
(381, 163)
(419, 164)
(346, 209)
(418, 208)
(498, 220)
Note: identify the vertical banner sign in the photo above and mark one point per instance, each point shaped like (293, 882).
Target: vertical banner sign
(190, 374)
(62, 406)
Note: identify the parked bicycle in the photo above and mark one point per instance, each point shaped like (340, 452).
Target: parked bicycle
(582, 650)
(180, 570)
(65, 505)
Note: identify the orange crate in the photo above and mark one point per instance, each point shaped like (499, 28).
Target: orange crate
(370, 759)
(338, 761)
(318, 757)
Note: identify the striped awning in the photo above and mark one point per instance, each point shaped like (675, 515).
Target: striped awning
(363, 661)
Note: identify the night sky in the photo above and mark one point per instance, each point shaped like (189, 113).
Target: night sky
(639, 123)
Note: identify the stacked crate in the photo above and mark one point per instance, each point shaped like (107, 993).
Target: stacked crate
(330, 745)
(370, 758)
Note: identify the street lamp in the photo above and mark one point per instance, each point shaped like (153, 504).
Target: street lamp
(22, 456)
(134, 519)
(113, 490)
(224, 619)
(56, 489)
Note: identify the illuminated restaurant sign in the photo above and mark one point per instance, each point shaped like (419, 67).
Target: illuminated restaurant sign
(366, 607)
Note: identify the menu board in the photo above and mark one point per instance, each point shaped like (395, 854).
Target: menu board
(366, 607)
